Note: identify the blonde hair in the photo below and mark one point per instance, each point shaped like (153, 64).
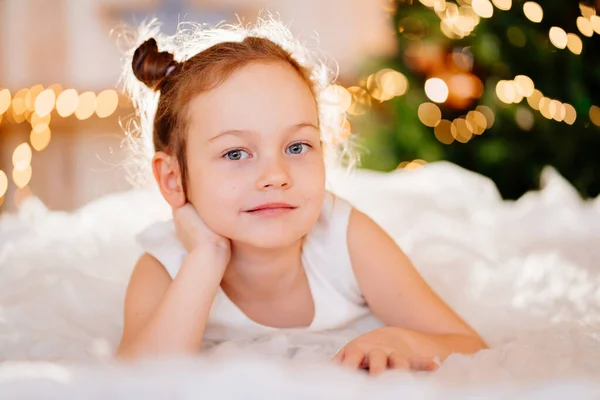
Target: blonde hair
(197, 58)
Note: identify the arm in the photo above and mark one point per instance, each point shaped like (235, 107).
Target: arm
(399, 296)
(164, 316)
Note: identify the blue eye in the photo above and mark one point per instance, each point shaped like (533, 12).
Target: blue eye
(297, 148)
(236, 155)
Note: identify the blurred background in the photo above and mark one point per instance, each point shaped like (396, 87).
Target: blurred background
(501, 87)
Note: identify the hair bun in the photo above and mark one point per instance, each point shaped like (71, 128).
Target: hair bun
(151, 66)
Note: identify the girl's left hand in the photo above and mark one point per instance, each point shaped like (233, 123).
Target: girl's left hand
(381, 349)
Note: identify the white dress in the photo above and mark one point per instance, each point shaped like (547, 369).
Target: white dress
(325, 257)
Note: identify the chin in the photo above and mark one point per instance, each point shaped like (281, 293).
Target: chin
(271, 240)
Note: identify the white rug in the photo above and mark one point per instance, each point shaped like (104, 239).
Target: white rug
(525, 274)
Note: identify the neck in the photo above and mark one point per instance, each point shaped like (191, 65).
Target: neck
(266, 273)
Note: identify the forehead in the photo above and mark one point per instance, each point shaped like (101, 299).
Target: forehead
(258, 96)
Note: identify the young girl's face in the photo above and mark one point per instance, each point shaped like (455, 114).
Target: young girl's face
(252, 141)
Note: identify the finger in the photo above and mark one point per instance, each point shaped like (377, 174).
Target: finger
(339, 356)
(397, 361)
(353, 357)
(422, 364)
(378, 361)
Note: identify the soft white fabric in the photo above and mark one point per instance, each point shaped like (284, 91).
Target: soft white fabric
(525, 274)
(336, 295)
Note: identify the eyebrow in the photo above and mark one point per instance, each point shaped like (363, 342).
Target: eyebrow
(240, 132)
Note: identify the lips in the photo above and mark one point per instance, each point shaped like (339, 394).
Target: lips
(272, 206)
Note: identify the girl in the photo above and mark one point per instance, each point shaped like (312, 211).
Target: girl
(243, 127)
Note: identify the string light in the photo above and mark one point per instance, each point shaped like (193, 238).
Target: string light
(21, 156)
(87, 105)
(108, 100)
(533, 11)
(361, 100)
(443, 133)
(44, 102)
(483, 8)
(22, 177)
(586, 10)
(40, 140)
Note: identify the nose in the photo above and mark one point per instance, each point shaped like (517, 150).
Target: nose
(273, 174)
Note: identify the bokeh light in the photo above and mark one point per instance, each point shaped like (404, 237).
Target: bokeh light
(570, 114)
(44, 102)
(503, 5)
(558, 37)
(361, 100)
(524, 118)
(87, 105)
(483, 8)
(524, 85)
(443, 132)
(31, 97)
(429, 114)
(40, 140)
(67, 102)
(476, 121)
(533, 11)
(460, 130)
(436, 89)
(38, 123)
(4, 100)
(534, 99)
(489, 115)
(585, 26)
(595, 115)
(574, 43)
(108, 100)
(337, 96)
(3, 183)
(21, 157)
(21, 178)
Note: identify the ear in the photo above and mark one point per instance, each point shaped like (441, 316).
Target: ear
(168, 176)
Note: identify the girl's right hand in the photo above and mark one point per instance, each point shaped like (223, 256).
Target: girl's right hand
(195, 235)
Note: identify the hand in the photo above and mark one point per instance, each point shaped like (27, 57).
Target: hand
(382, 348)
(193, 232)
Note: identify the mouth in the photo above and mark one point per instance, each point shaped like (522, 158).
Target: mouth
(271, 208)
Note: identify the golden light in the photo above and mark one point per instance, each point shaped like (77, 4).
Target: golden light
(574, 43)
(533, 11)
(40, 123)
(21, 157)
(3, 183)
(18, 102)
(436, 89)
(87, 105)
(524, 118)
(524, 85)
(503, 5)
(67, 102)
(108, 100)
(4, 100)
(429, 114)
(595, 115)
(506, 91)
(545, 107)
(31, 97)
(44, 102)
(534, 99)
(554, 109)
(40, 141)
(460, 130)
(361, 100)
(570, 114)
(595, 21)
(558, 37)
(476, 121)
(56, 88)
(585, 26)
(22, 177)
(586, 10)
(443, 132)
(394, 82)
(337, 96)
(483, 8)
(428, 3)
(489, 115)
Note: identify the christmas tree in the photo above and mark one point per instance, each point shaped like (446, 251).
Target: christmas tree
(499, 87)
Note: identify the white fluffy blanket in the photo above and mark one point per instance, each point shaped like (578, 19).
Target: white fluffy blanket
(525, 274)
